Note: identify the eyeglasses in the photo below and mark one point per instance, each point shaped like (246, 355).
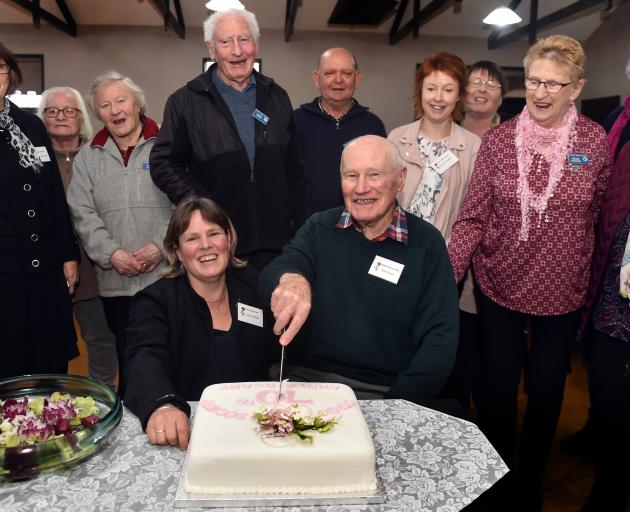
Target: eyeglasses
(552, 87)
(5, 69)
(490, 84)
(67, 111)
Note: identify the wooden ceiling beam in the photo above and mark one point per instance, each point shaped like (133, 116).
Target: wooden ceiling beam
(175, 23)
(580, 8)
(289, 18)
(66, 25)
(433, 9)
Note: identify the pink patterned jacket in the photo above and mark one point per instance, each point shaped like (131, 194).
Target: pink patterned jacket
(548, 274)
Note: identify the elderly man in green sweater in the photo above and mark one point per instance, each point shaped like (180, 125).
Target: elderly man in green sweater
(367, 290)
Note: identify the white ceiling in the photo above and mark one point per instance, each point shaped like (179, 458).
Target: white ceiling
(311, 16)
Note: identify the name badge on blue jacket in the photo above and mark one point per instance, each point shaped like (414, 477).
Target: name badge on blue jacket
(263, 118)
(145, 166)
(577, 159)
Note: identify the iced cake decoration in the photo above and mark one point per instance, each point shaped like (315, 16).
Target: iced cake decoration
(284, 420)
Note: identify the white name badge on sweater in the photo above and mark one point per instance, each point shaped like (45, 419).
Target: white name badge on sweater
(386, 269)
(443, 162)
(250, 314)
(42, 153)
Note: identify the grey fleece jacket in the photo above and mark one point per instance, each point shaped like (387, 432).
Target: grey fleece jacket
(116, 207)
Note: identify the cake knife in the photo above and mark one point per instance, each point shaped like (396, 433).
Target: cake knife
(281, 371)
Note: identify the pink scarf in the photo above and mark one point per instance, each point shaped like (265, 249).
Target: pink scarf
(615, 132)
(552, 144)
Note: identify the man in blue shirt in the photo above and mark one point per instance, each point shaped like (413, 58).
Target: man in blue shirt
(230, 135)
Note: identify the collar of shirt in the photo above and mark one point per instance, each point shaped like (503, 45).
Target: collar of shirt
(150, 130)
(226, 88)
(396, 230)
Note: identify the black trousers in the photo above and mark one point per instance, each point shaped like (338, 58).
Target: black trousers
(117, 316)
(610, 413)
(465, 375)
(504, 354)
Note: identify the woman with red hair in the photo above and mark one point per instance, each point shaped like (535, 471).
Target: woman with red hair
(439, 156)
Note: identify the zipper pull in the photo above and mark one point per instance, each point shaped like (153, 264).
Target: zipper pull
(251, 177)
(337, 123)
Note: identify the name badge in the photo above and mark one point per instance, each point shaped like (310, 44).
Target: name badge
(250, 314)
(146, 166)
(577, 159)
(263, 118)
(443, 162)
(386, 269)
(42, 153)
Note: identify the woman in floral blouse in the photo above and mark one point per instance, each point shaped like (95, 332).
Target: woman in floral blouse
(526, 224)
(439, 156)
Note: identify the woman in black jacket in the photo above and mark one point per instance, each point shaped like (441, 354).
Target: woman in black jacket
(38, 253)
(201, 324)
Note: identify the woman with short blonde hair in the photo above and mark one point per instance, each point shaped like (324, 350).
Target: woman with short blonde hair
(527, 225)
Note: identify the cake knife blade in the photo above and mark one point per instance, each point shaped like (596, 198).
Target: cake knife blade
(281, 372)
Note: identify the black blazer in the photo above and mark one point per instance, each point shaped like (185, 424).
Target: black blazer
(35, 229)
(170, 349)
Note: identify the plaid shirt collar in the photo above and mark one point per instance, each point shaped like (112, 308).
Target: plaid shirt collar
(396, 230)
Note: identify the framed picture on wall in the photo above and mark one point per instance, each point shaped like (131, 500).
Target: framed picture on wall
(206, 62)
(32, 67)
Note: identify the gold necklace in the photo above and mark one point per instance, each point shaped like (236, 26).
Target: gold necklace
(219, 299)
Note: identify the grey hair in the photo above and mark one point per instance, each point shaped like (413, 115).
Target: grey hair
(210, 25)
(85, 130)
(114, 76)
(393, 154)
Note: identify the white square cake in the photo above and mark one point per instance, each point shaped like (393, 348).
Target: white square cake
(228, 455)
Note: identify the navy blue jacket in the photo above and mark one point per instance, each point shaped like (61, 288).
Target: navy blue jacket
(322, 139)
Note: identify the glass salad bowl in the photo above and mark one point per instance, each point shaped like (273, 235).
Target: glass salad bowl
(28, 461)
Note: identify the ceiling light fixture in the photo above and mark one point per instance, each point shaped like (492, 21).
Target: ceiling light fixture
(502, 16)
(224, 5)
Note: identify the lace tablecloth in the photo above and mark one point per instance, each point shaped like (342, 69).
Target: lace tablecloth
(428, 461)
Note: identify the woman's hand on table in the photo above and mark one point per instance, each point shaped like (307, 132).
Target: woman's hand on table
(168, 425)
(149, 256)
(71, 273)
(125, 263)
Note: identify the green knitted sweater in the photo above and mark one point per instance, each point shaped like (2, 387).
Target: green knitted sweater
(401, 335)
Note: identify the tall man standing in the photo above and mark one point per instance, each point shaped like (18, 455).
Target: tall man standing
(229, 135)
(329, 122)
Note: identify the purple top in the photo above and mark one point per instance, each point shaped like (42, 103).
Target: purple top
(612, 314)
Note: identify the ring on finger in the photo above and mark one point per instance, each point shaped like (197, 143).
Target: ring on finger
(158, 431)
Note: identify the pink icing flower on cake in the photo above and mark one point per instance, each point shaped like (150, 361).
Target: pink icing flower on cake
(283, 420)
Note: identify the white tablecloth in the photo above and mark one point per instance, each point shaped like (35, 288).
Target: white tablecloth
(428, 461)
